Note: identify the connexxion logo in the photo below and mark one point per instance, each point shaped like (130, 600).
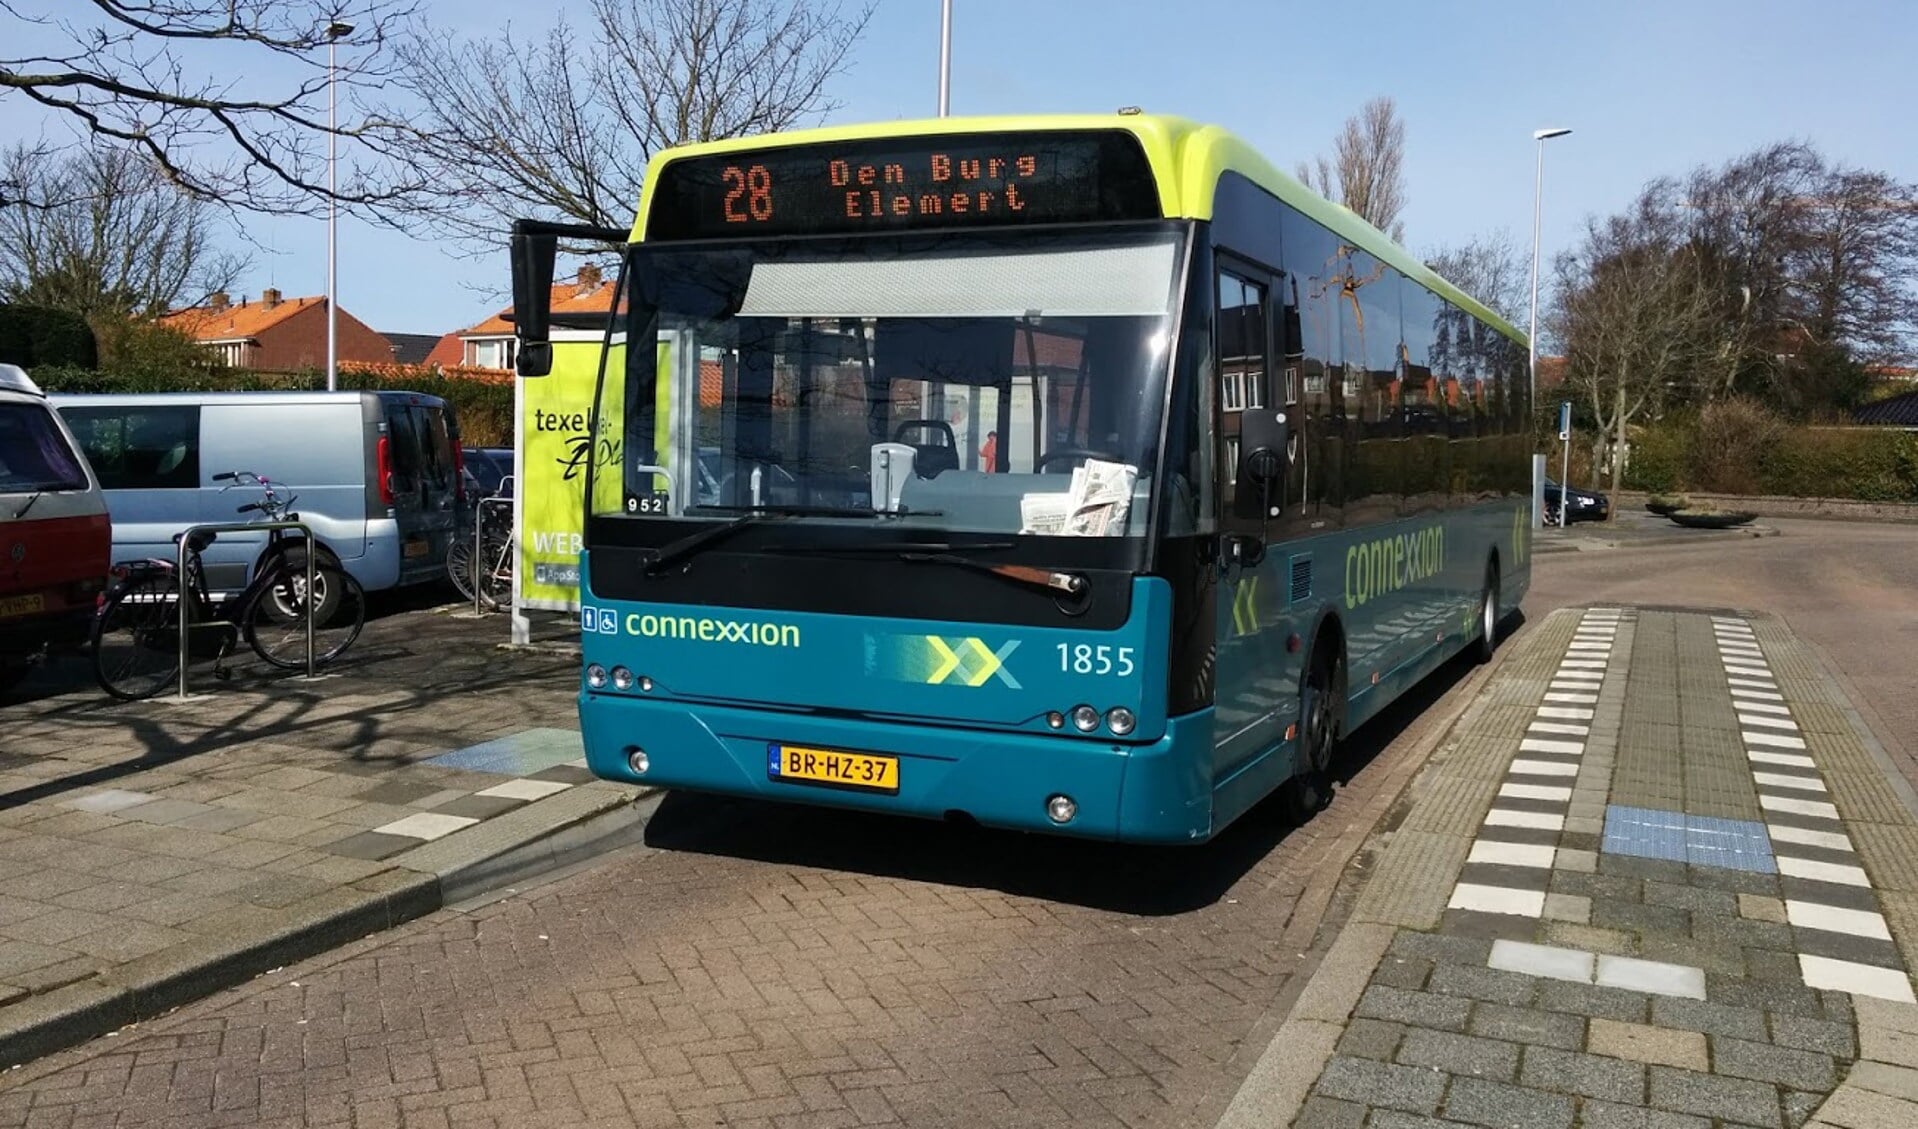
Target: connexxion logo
(695, 629)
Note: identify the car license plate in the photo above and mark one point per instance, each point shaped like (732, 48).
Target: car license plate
(797, 764)
(29, 604)
(418, 548)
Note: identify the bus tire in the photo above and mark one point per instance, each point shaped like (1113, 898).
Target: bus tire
(1321, 705)
(1489, 616)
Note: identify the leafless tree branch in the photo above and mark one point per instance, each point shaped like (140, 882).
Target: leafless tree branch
(1364, 172)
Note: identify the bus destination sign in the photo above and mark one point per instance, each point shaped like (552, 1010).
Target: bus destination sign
(961, 180)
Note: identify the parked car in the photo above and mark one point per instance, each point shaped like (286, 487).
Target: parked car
(54, 531)
(488, 468)
(1586, 505)
(377, 474)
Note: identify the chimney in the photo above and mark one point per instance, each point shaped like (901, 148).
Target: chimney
(588, 278)
(269, 298)
(218, 301)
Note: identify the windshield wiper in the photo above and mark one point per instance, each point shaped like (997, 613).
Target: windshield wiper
(939, 552)
(813, 511)
(673, 552)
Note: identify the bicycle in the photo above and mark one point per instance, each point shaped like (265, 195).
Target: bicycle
(136, 634)
(497, 553)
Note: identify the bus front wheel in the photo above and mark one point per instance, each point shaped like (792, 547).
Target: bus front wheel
(1321, 705)
(1488, 617)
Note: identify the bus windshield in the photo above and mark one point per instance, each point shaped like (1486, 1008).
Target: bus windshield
(975, 382)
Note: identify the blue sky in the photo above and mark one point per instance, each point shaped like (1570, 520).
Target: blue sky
(1649, 88)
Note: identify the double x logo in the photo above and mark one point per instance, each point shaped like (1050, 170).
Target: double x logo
(1245, 605)
(969, 662)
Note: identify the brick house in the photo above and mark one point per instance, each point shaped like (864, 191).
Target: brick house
(277, 334)
(491, 344)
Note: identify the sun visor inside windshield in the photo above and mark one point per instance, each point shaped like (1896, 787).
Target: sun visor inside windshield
(948, 351)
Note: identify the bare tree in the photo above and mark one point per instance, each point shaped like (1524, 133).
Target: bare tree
(1490, 268)
(1856, 264)
(1637, 313)
(1364, 171)
(164, 78)
(112, 236)
(562, 127)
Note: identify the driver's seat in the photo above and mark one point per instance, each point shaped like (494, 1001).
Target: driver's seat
(930, 458)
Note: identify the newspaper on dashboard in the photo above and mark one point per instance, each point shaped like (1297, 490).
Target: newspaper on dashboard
(1097, 503)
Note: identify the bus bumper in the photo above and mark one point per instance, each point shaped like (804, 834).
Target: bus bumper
(1159, 792)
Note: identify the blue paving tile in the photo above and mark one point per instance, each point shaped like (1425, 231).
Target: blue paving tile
(517, 754)
(1735, 844)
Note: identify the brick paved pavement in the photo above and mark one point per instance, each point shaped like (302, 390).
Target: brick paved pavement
(146, 848)
(757, 966)
(1679, 893)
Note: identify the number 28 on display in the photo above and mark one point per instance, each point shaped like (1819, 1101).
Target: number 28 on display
(1084, 658)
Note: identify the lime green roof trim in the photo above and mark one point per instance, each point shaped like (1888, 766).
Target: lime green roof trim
(1186, 158)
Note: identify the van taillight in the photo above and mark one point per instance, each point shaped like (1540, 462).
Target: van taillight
(386, 470)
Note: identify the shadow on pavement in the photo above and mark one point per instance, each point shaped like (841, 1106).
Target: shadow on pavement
(1145, 881)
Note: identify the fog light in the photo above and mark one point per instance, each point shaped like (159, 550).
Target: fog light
(596, 676)
(1085, 718)
(645, 684)
(1120, 720)
(1061, 809)
(622, 678)
(1056, 719)
(637, 761)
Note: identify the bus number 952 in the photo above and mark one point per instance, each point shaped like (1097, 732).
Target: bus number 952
(1084, 658)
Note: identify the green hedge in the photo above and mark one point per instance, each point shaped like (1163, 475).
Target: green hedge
(1859, 463)
(36, 336)
(484, 410)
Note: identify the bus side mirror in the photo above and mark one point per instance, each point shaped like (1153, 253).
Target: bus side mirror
(533, 255)
(1264, 437)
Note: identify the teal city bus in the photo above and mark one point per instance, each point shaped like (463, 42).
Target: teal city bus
(1076, 474)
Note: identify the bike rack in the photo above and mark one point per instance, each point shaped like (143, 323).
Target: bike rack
(186, 604)
(479, 537)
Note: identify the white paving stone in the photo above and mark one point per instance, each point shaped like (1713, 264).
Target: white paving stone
(1761, 695)
(1559, 727)
(1581, 664)
(1836, 919)
(1796, 806)
(525, 789)
(1513, 789)
(1762, 721)
(1560, 696)
(1795, 760)
(1823, 871)
(108, 800)
(1569, 713)
(1763, 707)
(1774, 740)
(1512, 854)
(1747, 671)
(1548, 961)
(1543, 745)
(1544, 821)
(1592, 676)
(426, 825)
(1653, 976)
(1830, 840)
(1858, 979)
(1791, 783)
(1525, 767)
(1498, 899)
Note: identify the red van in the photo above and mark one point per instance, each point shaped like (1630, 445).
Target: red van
(55, 536)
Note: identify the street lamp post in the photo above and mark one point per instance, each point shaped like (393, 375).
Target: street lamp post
(1541, 136)
(945, 57)
(334, 33)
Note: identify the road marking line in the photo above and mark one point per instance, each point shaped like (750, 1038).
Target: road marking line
(1767, 722)
(1497, 899)
(1581, 664)
(1558, 697)
(1542, 745)
(1746, 670)
(1830, 840)
(1591, 676)
(1559, 727)
(1766, 695)
(1837, 919)
(1572, 713)
(1513, 790)
(1776, 740)
(1543, 768)
(1796, 806)
(1764, 684)
(1726, 630)
(1794, 760)
(1795, 783)
(1818, 871)
(1536, 820)
(1858, 979)
(1512, 854)
(1590, 645)
(1764, 707)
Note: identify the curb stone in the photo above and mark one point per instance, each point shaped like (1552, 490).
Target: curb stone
(555, 832)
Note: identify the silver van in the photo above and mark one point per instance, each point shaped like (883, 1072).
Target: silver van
(377, 474)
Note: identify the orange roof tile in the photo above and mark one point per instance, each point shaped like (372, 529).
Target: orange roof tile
(447, 352)
(588, 294)
(235, 322)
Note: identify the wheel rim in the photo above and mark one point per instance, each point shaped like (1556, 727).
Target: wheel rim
(1318, 719)
(289, 597)
(1488, 611)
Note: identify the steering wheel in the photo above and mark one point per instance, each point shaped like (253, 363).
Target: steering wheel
(1067, 453)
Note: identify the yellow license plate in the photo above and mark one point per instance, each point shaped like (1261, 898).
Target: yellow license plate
(797, 764)
(418, 548)
(22, 605)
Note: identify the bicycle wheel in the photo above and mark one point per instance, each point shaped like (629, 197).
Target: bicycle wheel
(496, 578)
(136, 637)
(275, 624)
(459, 564)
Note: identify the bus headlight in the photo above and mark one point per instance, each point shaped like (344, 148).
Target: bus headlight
(1120, 720)
(1085, 718)
(596, 676)
(622, 678)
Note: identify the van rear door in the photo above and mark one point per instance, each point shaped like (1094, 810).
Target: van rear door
(420, 442)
